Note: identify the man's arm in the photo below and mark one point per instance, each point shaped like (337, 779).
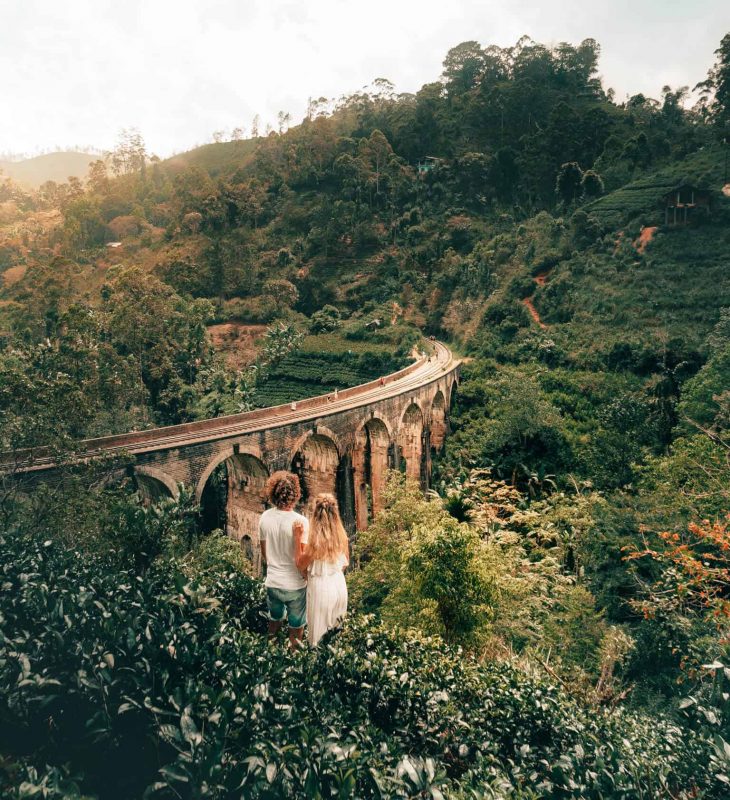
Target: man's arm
(263, 550)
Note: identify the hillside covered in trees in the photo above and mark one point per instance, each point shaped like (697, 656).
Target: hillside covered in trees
(574, 555)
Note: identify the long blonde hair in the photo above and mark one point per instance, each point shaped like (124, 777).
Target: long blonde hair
(327, 537)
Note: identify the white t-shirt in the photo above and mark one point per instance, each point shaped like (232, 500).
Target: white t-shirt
(275, 528)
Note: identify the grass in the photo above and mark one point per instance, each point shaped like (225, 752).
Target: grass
(217, 158)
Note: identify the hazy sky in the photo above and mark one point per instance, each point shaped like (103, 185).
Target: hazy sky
(77, 71)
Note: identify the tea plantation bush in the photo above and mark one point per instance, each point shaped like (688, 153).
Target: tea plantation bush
(307, 374)
(116, 685)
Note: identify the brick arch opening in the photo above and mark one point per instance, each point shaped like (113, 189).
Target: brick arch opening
(437, 427)
(370, 462)
(316, 460)
(452, 394)
(411, 449)
(154, 485)
(232, 499)
(247, 477)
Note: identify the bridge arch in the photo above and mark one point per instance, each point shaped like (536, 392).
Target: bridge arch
(370, 461)
(437, 421)
(411, 450)
(316, 431)
(219, 458)
(453, 387)
(154, 485)
(377, 419)
(315, 458)
(231, 492)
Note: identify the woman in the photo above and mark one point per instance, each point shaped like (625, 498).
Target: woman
(323, 558)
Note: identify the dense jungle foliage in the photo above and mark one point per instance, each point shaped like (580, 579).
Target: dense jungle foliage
(552, 619)
(134, 664)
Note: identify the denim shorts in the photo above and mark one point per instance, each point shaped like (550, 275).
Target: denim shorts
(291, 603)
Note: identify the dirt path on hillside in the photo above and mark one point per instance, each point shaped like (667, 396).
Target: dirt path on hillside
(646, 235)
(14, 274)
(533, 312)
(540, 280)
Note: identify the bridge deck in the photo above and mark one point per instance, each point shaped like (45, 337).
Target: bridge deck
(420, 373)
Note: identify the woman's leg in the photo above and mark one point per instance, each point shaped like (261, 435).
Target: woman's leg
(316, 609)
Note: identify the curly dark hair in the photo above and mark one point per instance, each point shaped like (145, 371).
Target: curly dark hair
(283, 489)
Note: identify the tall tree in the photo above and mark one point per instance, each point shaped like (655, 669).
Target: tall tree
(130, 154)
(376, 152)
(717, 87)
(463, 67)
(568, 182)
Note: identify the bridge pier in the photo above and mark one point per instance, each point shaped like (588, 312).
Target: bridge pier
(316, 461)
(437, 425)
(245, 502)
(345, 493)
(410, 442)
(425, 479)
(370, 460)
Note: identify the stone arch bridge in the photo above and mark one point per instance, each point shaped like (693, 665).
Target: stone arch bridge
(341, 444)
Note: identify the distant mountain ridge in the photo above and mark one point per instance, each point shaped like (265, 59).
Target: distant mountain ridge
(59, 167)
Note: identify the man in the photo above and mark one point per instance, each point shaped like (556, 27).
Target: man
(286, 589)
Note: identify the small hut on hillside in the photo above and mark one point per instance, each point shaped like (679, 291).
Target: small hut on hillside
(428, 163)
(682, 203)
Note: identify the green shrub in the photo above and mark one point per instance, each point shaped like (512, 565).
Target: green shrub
(521, 287)
(121, 686)
(328, 318)
(250, 310)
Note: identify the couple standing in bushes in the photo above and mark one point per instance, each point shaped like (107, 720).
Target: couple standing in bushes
(305, 559)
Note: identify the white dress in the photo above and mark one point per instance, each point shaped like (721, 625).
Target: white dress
(326, 597)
